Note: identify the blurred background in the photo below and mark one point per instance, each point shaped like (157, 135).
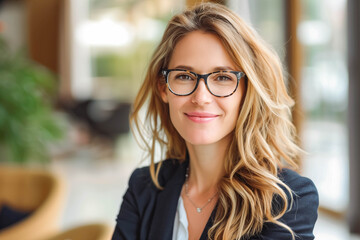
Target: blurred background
(69, 71)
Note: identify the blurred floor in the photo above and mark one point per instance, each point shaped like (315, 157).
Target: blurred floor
(96, 183)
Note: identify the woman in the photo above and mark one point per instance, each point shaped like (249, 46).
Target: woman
(217, 104)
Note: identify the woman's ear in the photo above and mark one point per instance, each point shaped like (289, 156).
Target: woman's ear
(162, 89)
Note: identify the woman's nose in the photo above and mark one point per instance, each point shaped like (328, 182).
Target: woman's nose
(201, 95)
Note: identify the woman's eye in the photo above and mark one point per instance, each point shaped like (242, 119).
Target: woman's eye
(223, 78)
(184, 77)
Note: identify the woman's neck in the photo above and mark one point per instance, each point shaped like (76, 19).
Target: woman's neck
(207, 165)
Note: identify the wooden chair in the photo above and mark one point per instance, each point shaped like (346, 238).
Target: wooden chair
(96, 231)
(38, 191)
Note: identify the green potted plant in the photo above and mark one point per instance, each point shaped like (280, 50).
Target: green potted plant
(27, 121)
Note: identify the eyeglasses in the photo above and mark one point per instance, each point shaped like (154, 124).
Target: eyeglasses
(184, 82)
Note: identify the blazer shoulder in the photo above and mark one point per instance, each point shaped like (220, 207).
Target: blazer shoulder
(299, 185)
(303, 206)
(301, 214)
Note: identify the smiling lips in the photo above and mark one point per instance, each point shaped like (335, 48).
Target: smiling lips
(201, 117)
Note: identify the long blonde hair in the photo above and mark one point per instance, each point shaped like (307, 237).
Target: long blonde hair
(264, 136)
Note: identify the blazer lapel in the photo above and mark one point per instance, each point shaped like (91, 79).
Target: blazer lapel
(164, 214)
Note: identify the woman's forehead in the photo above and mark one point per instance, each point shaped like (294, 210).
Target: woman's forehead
(201, 51)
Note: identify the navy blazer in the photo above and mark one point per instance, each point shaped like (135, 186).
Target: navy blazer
(149, 213)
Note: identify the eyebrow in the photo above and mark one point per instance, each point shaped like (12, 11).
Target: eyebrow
(219, 68)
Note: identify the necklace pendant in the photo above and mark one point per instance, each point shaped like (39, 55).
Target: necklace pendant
(198, 210)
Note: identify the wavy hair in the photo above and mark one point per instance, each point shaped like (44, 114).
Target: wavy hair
(264, 136)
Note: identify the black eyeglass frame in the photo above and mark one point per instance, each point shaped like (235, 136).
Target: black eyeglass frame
(165, 73)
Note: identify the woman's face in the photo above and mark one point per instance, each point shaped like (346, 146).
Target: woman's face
(202, 118)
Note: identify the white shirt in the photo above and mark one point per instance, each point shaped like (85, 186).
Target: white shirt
(180, 231)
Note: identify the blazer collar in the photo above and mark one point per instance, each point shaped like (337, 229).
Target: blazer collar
(166, 206)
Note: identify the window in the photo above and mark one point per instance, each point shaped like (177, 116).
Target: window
(322, 32)
(112, 43)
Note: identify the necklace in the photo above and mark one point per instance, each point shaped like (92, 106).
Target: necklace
(198, 209)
